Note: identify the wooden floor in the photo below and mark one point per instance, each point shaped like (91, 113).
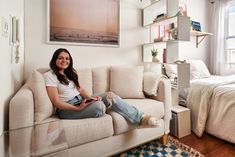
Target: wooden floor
(209, 146)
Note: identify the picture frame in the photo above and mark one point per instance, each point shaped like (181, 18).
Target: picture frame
(69, 23)
(183, 9)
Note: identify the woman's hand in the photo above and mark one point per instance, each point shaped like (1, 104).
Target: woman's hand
(98, 98)
(82, 105)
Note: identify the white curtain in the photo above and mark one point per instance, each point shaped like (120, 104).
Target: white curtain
(219, 24)
(217, 47)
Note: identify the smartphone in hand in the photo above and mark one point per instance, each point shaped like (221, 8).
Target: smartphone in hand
(90, 100)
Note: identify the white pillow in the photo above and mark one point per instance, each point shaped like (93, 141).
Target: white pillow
(100, 78)
(198, 69)
(151, 81)
(171, 70)
(85, 78)
(43, 107)
(127, 82)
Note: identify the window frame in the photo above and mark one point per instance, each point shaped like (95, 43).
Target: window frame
(229, 51)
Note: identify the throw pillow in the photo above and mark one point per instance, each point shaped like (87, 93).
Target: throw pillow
(85, 78)
(100, 80)
(198, 69)
(127, 82)
(171, 70)
(43, 107)
(151, 81)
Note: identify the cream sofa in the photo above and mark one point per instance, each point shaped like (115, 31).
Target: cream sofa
(104, 136)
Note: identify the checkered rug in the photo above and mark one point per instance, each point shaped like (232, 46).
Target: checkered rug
(155, 149)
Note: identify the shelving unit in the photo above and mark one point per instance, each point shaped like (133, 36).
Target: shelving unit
(200, 35)
(166, 29)
(182, 73)
(150, 12)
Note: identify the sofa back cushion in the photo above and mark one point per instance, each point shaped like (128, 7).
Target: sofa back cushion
(127, 82)
(85, 78)
(101, 79)
(43, 107)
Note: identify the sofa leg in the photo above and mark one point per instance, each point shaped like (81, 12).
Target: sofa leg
(164, 139)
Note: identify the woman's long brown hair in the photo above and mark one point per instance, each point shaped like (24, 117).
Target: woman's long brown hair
(70, 72)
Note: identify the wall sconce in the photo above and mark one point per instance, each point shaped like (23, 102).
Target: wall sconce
(14, 39)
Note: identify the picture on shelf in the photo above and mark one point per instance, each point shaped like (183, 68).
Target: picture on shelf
(183, 9)
(196, 26)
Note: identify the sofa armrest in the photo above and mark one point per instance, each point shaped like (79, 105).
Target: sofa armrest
(164, 95)
(20, 141)
(21, 109)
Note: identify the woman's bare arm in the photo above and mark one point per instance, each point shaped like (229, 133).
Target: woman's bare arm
(54, 97)
(84, 93)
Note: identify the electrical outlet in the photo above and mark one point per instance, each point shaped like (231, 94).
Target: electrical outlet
(5, 27)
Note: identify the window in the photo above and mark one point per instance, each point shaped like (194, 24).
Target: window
(230, 35)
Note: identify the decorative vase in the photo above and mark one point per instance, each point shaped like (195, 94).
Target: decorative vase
(154, 59)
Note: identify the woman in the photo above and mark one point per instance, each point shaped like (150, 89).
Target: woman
(74, 102)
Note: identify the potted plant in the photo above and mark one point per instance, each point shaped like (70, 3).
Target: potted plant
(154, 55)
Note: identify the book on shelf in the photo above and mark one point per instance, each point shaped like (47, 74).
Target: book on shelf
(160, 39)
(159, 17)
(195, 26)
(164, 55)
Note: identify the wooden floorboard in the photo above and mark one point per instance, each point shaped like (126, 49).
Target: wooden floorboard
(209, 145)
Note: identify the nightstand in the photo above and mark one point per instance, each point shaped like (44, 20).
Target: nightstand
(180, 122)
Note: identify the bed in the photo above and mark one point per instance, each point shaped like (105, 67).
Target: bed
(211, 100)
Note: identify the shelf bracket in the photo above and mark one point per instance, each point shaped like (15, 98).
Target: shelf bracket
(199, 41)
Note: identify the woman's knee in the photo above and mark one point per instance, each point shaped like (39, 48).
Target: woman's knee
(111, 95)
(99, 108)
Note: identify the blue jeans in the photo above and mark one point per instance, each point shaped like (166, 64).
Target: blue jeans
(98, 108)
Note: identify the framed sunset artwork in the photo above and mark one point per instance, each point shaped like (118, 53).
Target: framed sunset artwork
(83, 22)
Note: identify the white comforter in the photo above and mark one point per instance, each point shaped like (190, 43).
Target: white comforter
(212, 105)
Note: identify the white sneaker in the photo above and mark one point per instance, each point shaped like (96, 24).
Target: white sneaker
(153, 121)
(148, 120)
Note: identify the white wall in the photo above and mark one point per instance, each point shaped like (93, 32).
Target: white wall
(38, 53)
(11, 77)
(198, 11)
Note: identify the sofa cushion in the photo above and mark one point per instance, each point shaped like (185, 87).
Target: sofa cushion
(86, 130)
(127, 82)
(120, 124)
(43, 107)
(47, 138)
(85, 79)
(148, 106)
(100, 80)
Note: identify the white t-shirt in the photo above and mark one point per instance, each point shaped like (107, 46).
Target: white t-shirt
(66, 92)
